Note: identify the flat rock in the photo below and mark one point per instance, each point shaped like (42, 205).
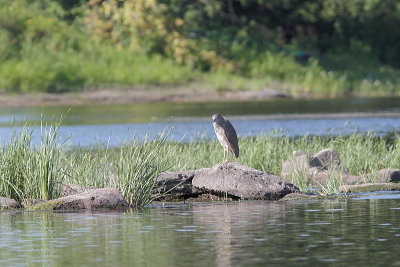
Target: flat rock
(369, 187)
(104, 198)
(241, 182)
(8, 203)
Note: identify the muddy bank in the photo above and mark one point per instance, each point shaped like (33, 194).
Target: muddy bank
(134, 95)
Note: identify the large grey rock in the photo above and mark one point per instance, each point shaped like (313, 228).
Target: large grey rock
(104, 198)
(8, 203)
(242, 182)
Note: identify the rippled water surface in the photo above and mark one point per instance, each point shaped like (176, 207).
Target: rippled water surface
(364, 230)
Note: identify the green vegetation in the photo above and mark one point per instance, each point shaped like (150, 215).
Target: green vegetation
(29, 172)
(322, 48)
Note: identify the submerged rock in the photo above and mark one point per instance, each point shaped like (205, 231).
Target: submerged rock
(104, 198)
(241, 182)
(8, 203)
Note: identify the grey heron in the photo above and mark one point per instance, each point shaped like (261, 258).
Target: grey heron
(226, 135)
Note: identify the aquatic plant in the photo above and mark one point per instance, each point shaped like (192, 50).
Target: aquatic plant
(137, 168)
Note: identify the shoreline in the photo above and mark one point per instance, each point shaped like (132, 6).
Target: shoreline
(134, 95)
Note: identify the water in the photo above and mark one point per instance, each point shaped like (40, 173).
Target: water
(114, 124)
(355, 231)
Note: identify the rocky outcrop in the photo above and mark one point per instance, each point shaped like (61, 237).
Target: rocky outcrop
(231, 180)
(318, 167)
(8, 203)
(242, 182)
(104, 198)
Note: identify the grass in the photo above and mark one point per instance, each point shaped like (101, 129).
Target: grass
(29, 171)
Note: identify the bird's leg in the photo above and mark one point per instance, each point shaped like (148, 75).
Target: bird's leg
(225, 156)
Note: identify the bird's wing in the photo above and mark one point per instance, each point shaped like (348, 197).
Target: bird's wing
(232, 138)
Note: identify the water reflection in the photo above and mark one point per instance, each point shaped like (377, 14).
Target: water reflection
(341, 231)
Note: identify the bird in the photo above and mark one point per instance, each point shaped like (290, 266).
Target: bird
(226, 135)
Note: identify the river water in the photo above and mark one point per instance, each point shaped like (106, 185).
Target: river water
(363, 230)
(115, 124)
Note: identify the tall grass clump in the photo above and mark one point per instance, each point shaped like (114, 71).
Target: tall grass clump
(31, 172)
(138, 165)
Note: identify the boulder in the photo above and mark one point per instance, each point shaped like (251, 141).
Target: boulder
(8, 203)
(241, 182)
(104, 198)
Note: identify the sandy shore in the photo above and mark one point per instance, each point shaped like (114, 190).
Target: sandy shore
(115, 96)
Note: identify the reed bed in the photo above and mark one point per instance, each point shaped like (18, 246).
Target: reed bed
(29, 171)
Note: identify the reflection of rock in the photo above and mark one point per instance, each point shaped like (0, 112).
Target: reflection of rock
(104, 198)
(317, 168)
(230, 180)
(8, 203)
(230, 227)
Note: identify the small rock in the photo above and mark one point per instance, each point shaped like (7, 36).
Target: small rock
(8, 203)
(388, 175)
(325, 159)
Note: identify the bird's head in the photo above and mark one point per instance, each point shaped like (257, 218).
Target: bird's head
(217, 118)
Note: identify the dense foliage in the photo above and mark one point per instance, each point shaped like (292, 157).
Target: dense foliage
(327, 47)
